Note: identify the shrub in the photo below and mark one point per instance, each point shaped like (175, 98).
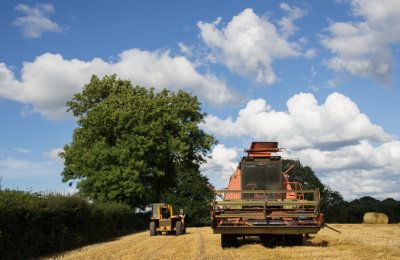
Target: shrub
(33, 224)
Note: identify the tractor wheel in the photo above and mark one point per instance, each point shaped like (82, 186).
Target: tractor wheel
(179, 228)
(228, 240)
(153, 229)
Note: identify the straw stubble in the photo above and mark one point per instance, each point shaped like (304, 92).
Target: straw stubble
(357, 241)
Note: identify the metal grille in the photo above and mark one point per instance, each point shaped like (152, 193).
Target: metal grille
(165, 223)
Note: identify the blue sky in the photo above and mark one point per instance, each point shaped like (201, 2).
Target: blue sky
(320, 77)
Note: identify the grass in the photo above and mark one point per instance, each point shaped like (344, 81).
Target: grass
(357, 241)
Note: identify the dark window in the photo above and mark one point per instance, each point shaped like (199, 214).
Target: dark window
(261, 176)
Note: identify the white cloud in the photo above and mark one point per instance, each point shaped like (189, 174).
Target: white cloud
(53, 154)
(11, 168)
(357, 170)
(306, 124)
(249, 44)
(363, 48)
(22, 174)
(22, 150)
(70, 191)
(223, 162)
(286, 23)
(35, 20)
(356, 183)
(347, 151)
(188, 51)
(50, 80)
(358, 156)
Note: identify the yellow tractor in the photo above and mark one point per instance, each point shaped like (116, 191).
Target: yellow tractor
(163, 221)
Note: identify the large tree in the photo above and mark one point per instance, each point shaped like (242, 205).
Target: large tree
(191, 195)
(130, 140)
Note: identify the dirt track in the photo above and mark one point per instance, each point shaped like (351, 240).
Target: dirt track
(356, 242)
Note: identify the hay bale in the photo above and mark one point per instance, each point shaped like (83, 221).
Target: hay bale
(383, 218)
(375, 218)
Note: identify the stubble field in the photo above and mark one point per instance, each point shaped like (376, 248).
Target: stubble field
(357, 241)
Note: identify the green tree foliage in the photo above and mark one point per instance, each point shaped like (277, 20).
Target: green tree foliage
(130, 140)
(306, 176)
(191, 195)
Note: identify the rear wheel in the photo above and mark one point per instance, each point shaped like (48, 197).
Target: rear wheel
(153, 229)
(269, 240)
(179, 228)
(228, 240)
(293, 240)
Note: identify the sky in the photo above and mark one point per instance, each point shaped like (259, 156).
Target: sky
(320, 77)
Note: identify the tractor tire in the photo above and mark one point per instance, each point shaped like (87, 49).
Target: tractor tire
(153, 229)
(179, 228)
(228, 240)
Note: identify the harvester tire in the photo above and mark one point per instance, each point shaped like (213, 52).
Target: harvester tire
(293, 240)
(179, 228)
(228, 240)
(268, 240)
(153, 229)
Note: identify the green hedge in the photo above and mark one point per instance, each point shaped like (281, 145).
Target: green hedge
(32, 225)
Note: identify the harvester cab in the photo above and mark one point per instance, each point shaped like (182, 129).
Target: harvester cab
(261, 201)
(163, 221)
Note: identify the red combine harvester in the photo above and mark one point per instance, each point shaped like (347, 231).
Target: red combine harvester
(260, 201)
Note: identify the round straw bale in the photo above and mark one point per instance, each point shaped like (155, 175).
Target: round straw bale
(383, 218)
(375, 218)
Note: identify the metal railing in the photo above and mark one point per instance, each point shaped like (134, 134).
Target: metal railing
(261, 206)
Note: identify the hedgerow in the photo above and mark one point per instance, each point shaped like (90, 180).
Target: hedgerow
(33, 224)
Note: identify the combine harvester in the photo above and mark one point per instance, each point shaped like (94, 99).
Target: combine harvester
(260, 201)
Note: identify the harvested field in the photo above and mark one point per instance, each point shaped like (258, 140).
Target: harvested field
(357, 241)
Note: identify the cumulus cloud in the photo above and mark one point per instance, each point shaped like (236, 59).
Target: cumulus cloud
(50, 80)
(306, 124)
(357, 170)
(54, 154)
(347, 151)
(249, 44)
(223, 162)
(364, 48)
(36, 20)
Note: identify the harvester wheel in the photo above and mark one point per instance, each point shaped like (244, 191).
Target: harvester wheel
(153, 229)
(293, 240)
(179, 228)
(268, 240)
(228, 240)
